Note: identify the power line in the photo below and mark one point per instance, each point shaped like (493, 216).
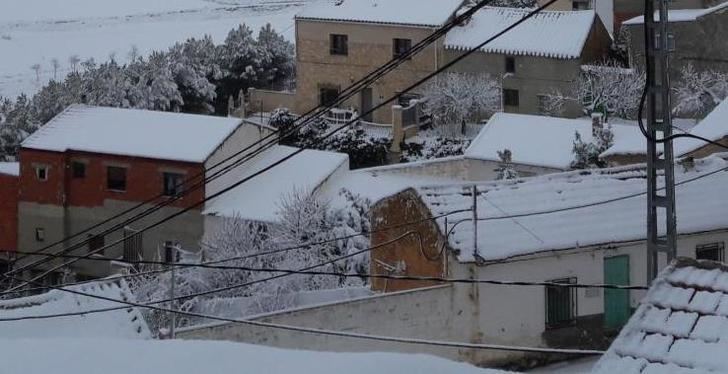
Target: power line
(307, 117)
(297, 152)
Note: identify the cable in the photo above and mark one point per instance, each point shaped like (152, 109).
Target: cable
(352, 90)
(429, 76)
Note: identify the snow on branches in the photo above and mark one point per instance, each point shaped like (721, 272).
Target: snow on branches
(586, 155)
(454, 98)
(506, 170)
(698, 92)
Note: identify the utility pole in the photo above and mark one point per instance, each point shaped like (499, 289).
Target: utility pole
(661, 213)
(170, 254)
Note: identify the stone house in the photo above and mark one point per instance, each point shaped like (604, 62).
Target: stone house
(698, 37)
(549, 239)
(90, 163)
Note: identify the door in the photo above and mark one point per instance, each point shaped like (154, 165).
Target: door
(366, 103)
(617, 308)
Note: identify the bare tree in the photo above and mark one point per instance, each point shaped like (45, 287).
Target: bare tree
(55, 64)
(698, 92)
(36, 69)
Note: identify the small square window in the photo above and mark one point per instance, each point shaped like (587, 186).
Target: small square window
(511, 97)
(116, 178)
(78, 170)
(328, 96)
(40, 234)
(41, 172)
(712, 252)
(339, 44)
(581, 5)
(401, 47)
(511, 65)
(172, 184)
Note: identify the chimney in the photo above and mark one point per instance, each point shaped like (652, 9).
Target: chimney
(597, 123)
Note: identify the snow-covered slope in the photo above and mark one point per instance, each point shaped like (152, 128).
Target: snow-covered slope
(39, 31)
(197, 357)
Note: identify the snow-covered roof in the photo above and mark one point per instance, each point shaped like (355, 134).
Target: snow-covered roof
(680, 327)
(126, 323)
(700, 205)
(554, 34)
(713, 127)
(259, 198)
(535, 140)
(132, 132)
(634, 143)
(430, 13)
(680, 15)
(94, 356)
(10, 168)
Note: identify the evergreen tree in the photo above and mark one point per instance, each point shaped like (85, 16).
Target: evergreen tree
(506, 170)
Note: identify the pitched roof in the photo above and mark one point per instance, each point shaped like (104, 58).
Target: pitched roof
(126, 323)
(535, 140)
(713, 127)
(680, 327)
(681, 15)
(553, 34)
(701, 202)
(259, 198)
(634, 143)
(136, 133)
(10, 168)
(430, 13)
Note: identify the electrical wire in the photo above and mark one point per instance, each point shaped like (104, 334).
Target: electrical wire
(429, 76)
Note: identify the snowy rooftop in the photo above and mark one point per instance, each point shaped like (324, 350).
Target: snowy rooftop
(680, 327)
(681, 15)
(536, 140)
(10, 168)
(634, 143)
(119, 324)
(700, 205)
(431, 13)
(259, 198)
(136, 133)
(713, 127)
(93, 356)
(553, 34)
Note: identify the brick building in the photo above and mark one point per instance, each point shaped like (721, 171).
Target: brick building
(8, 210)
(88, 164)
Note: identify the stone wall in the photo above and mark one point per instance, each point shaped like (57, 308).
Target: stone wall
(268, 101)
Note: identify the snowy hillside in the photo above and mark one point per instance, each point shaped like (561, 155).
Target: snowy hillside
(37, 32)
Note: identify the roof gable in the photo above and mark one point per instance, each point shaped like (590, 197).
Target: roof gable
(681, 326)
(682, 15)
(552, 34)
(429, 13)
(135, 133)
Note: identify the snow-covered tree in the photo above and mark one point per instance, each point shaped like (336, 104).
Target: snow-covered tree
(195, 68)
(454, 98)
(506, 170)
(586, 154)
(610, 89)
(698, 92)
(16, 123)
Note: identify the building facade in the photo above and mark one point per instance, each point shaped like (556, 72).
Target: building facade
(8, 211)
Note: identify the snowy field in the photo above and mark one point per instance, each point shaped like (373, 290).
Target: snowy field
(198, 357)
(39, 31)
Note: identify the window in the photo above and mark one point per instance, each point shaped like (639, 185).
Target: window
(172, 184)
(41, 172)
(95, 243)
(116, 178)
(712, 252)
(339, 45)
(511, 65)
(40, 234)
(510, 97)
(78, 169)
(581, 4)
(405, 99)
(401, 46)
(328, 96)
(560, 304)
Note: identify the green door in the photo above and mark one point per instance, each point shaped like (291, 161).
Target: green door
(616, 302)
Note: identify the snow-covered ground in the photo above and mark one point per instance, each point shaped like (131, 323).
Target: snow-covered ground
(195, 357)
(577, 366)
(39, 31)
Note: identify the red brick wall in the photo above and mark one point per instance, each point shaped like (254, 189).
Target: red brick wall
(8, 213)
(144, 178)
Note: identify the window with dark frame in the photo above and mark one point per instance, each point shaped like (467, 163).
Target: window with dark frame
(511, 97)
(78, 169)
(561, 304)
(510, 65)
(116, 178)
(581, 4)
(172, 184)
(328, 96)
(339, 44)
(41, 172)
(400, 47)
(40, 234)
(712, 252)
(96, 242)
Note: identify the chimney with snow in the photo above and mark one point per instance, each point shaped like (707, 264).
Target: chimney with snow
(597, 123)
